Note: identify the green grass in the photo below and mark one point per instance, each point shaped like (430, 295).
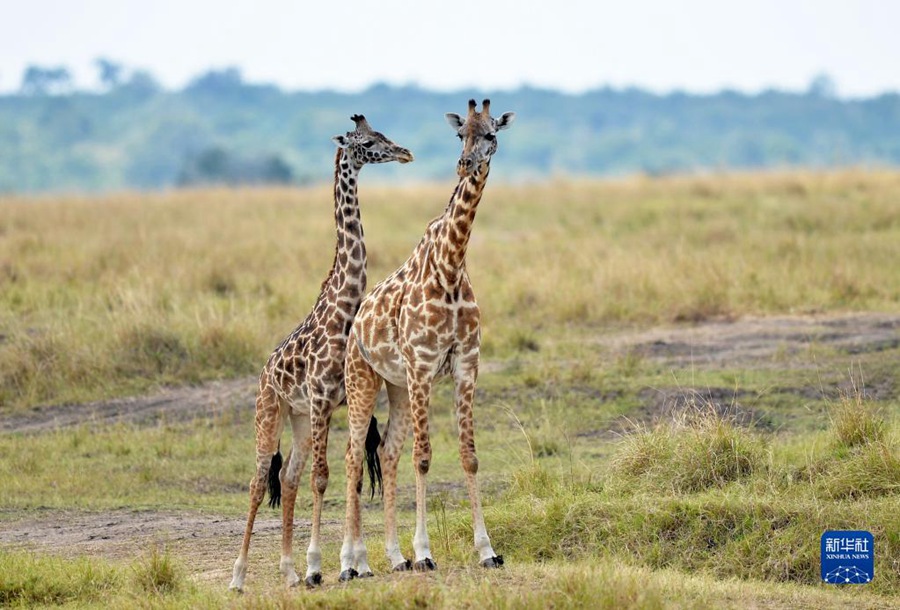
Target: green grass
(28, 581)
(158, 574)
(701, 450)
(855, 422)
(167, 465)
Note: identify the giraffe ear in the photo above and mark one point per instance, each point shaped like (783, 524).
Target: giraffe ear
(506, 120)
(455, 121)
(341, 141)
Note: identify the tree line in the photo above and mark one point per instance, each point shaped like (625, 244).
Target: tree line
(221, 129)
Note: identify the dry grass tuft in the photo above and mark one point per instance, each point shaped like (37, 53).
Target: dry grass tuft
(701, 449)
(855, 421)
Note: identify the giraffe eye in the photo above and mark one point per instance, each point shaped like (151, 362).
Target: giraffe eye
(368, 144)
(490, 137)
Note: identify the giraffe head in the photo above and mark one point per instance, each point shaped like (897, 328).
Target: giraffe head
(478, 132)
(365, 145)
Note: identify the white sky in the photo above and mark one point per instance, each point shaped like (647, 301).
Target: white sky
(573, 45)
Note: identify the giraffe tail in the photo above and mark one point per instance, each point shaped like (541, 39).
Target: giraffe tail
(373, 462)
(274, 480)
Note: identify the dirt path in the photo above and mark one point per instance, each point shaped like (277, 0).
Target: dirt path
(170, 404)
(762, 342)
(750, 343)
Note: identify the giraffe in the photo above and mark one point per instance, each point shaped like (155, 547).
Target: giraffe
(419, 324)
(303, 378)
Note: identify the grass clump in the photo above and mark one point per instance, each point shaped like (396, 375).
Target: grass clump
(643, 453)
(534, 481)
(855, 422)
(701, 450)
(868, 471)
(158, 573)
(30, 580)
(861, 459)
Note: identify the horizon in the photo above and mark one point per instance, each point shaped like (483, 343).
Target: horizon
(699, 47)
(822, 84)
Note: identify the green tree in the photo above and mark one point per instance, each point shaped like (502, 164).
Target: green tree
(110, 72)
(38, 80)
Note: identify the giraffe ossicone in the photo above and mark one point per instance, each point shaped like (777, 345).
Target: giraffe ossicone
(420, 324)
(303, 379)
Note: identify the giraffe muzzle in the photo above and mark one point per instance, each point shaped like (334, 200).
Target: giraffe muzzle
(405, 156)
(465, 167)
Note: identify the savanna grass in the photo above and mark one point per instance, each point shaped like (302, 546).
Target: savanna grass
(27, 582)
(859, 455)
(701, 450)
(116, 294)
(701, 494)
(158, 573)
(855, 421)
(204, 463)
(734, 532)
(871, 470)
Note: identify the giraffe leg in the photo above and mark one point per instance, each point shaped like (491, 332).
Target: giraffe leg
(290, 481)
(465, 393)
(320, 421)
(362, 385)
(419, 384)
(269, 425)
(391, 448)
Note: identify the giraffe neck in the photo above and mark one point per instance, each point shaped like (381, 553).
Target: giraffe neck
(348, 272)
(452, 238)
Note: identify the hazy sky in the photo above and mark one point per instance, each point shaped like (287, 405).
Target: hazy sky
(573, 45)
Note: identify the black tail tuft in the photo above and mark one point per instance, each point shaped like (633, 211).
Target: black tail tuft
(274, 480)
(373, 462)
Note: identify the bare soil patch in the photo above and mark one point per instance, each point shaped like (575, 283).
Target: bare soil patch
(761, 342)
(212, 399)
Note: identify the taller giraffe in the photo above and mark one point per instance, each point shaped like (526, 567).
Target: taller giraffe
(304, 377)
(419, 324)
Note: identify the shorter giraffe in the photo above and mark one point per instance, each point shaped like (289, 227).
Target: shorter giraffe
(303, 380)
(419, 324)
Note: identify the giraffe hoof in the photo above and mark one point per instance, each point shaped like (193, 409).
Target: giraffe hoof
(406, 566)
(313, 580)
(348, 575)
(425, 565)
(366, 574)
(493, 562)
